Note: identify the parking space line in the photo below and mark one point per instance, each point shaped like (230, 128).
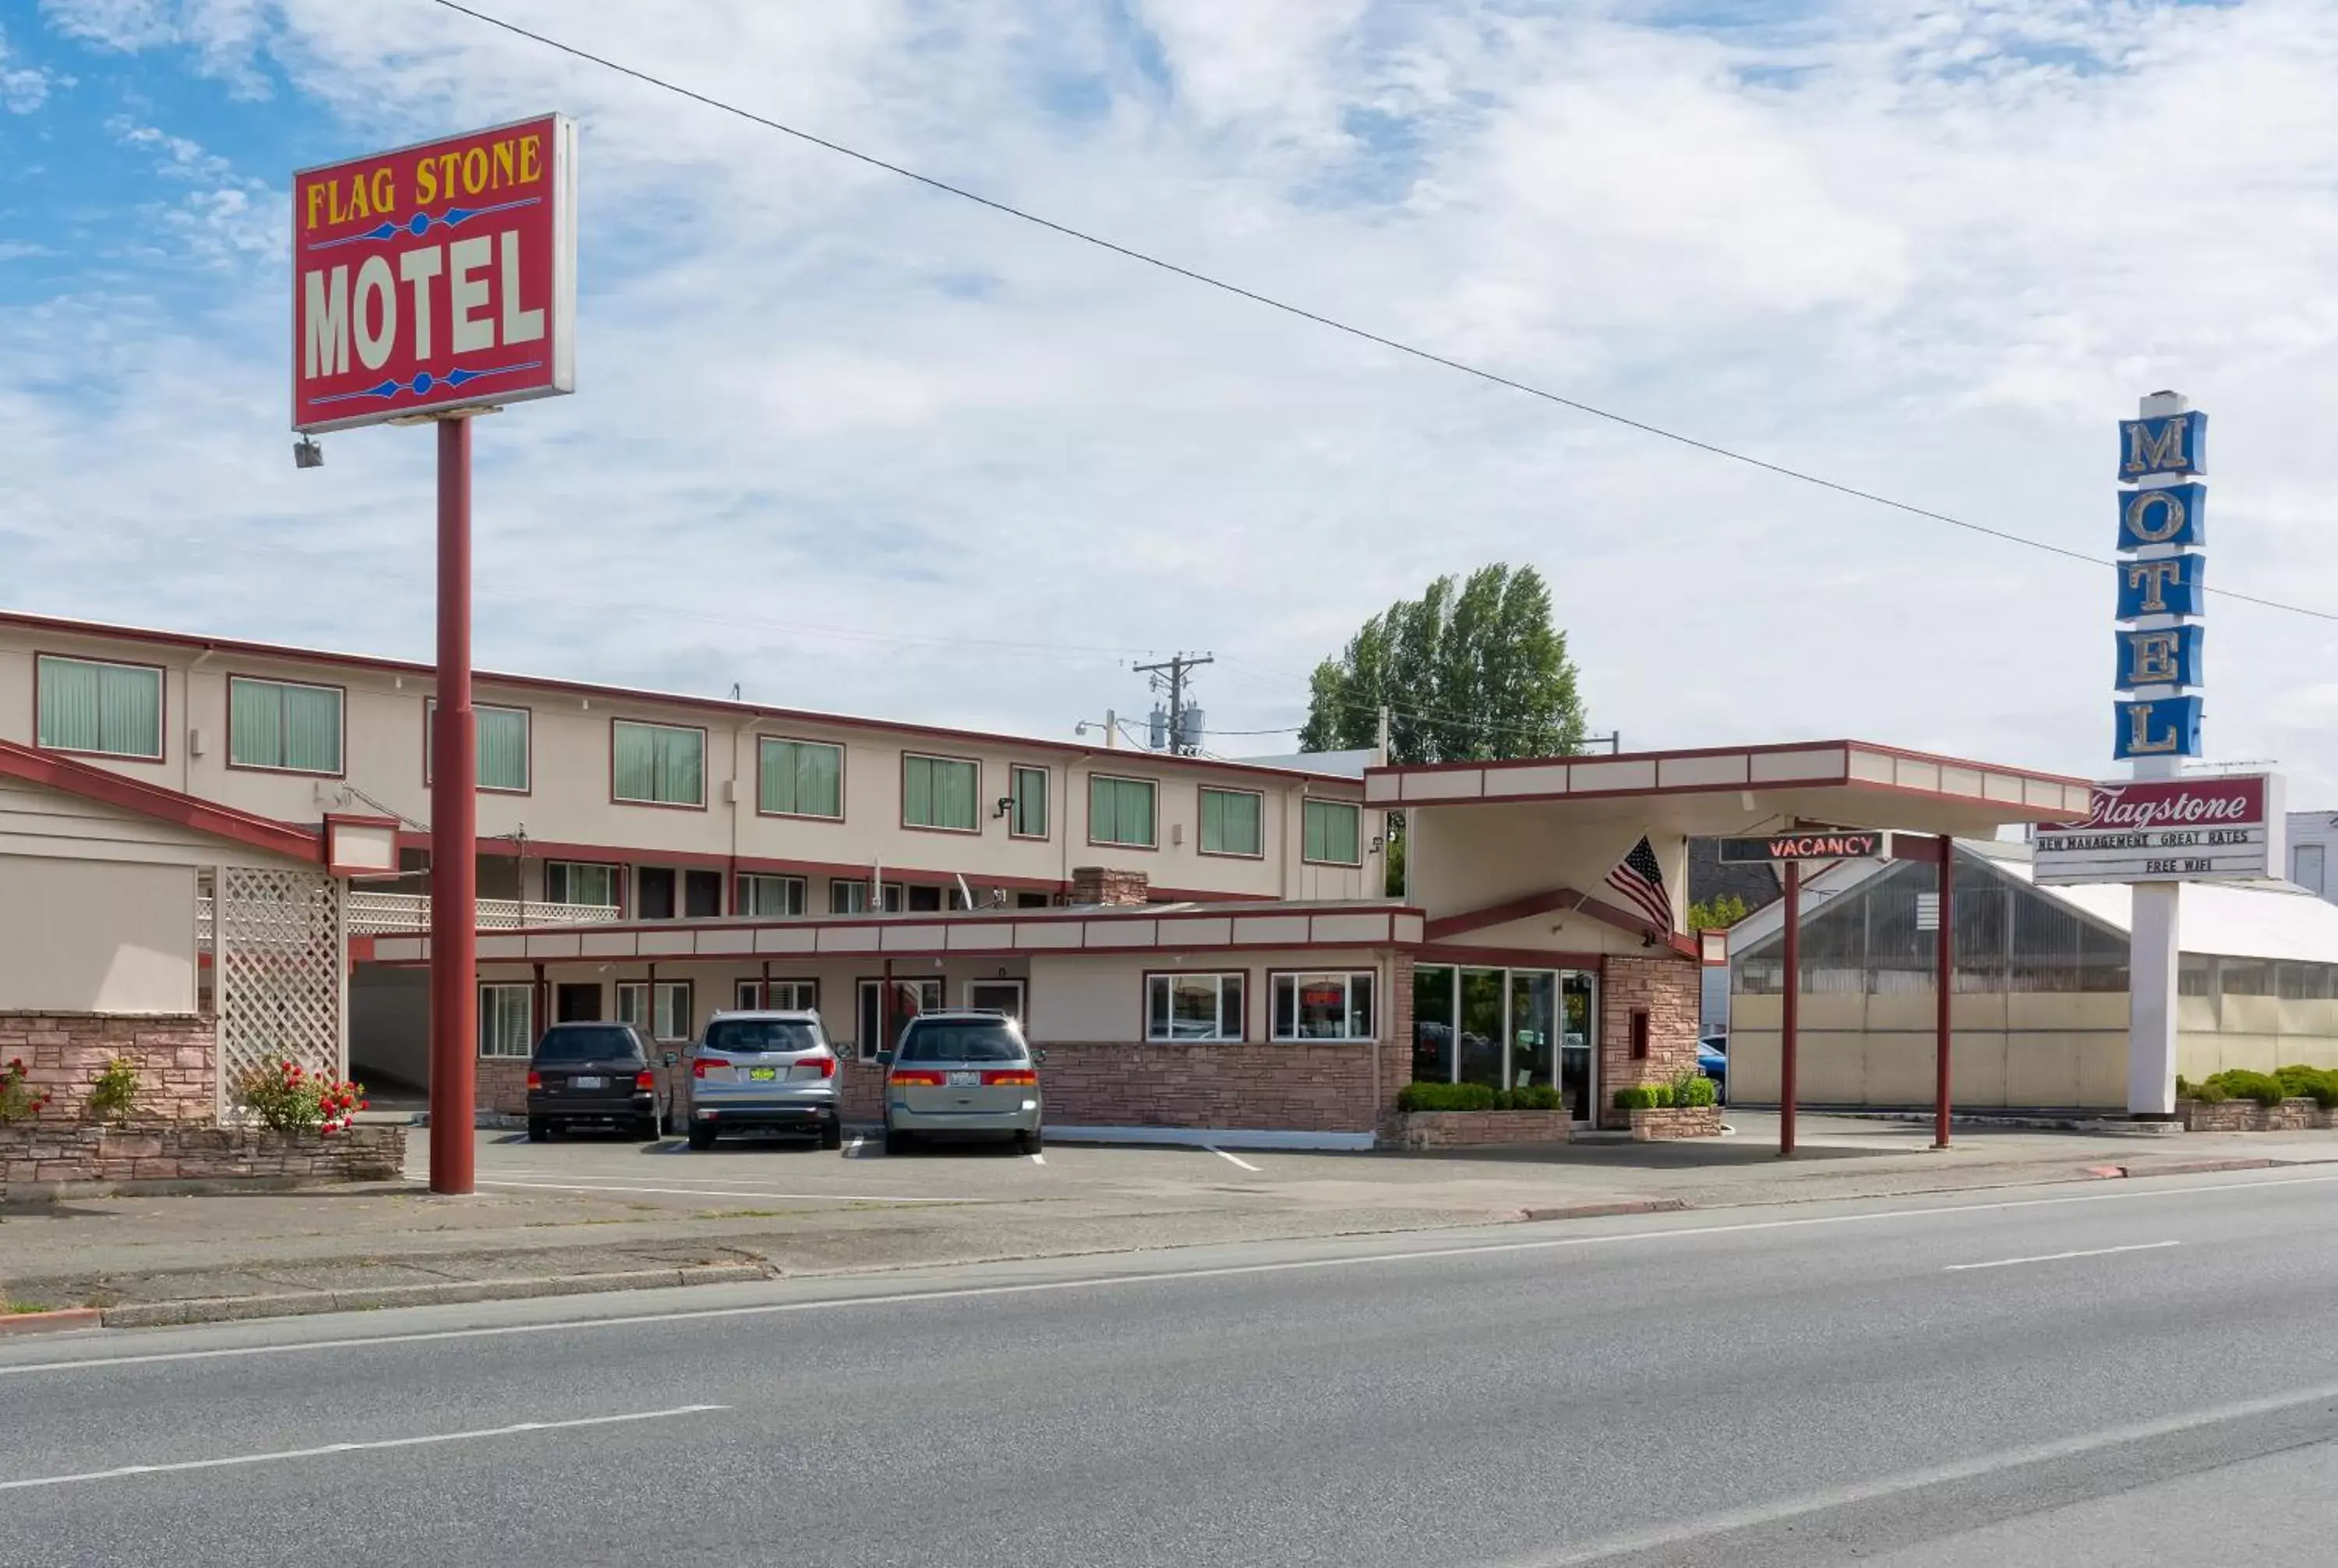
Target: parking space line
(726, 1193)
(1224, 1155)
(326, 1450)
(852, 1150)
(1039, 1159)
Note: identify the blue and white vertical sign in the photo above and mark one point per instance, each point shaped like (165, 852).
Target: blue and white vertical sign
(2161, 590)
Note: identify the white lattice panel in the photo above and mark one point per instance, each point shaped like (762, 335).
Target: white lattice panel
(277, 951)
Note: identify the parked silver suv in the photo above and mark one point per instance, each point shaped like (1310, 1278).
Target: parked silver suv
(963, 1072)
(764, 1071)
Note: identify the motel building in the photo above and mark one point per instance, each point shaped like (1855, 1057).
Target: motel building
(230, 839)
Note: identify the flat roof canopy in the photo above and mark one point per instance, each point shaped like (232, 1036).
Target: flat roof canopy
(1723, 790)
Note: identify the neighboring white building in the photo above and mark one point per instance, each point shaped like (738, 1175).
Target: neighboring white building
(2312, 847)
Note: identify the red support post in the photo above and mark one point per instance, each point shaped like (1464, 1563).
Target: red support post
(1790, 1023)
(1944, 989)
(453, 833)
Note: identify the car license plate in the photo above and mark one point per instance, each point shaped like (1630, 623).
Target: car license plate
(588, 1081)
(762, 1074)
(964, 1080)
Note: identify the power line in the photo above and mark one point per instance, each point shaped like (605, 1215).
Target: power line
(1364, 334)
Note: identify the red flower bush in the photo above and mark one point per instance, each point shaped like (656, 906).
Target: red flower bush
(19, 1102)
(287, 1098)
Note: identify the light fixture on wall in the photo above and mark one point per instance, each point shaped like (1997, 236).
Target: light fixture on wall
(1006, 804)
(1378, 843)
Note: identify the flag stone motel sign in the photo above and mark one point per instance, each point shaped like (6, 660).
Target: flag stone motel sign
(2160, 829)
(430, 284)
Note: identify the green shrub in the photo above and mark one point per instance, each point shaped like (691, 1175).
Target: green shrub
(2241, 1083)
(1445, 1097)
(2319, 1085)
(113, 1096)
(1643, 1097)
(1696, 1091)
(1534, 1097)
(2210, 1093)
(2186, 1089)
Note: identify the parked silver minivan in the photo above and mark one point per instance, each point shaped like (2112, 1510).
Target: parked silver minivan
(962, 1072)
(765, 1071)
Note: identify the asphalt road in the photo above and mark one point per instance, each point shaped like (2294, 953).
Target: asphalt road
(2123, 1372)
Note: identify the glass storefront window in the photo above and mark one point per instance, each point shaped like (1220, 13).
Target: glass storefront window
(1432, 1024)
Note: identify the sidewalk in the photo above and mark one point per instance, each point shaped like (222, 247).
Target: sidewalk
(579, 1216)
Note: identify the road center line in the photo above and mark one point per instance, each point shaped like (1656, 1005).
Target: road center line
(326, 1450)
(2058, 1257)
(719, 1192)
(1166, 1276)
(1224, 1155)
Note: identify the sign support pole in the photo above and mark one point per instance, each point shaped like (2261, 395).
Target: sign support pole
(1790, 1020)
(1944, 989)
(453, 831)
(2152, 934)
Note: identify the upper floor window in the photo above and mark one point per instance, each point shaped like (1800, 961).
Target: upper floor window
(283, 725)
(109, 710)
(1334, 833)
(1028, 807)
(502, 746)
(939, 792)
(657, 764)
(1120, 811)
(1230, 822)
(763, 897)
(800, 777)
(852, 897)
(574, 882)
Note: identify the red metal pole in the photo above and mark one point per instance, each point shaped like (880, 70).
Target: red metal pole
(453, 833)
(1790, 1024)
(1944, 989)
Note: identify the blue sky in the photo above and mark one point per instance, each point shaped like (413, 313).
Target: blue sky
(847, 443)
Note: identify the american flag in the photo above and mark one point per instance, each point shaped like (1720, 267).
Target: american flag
(1642, 880)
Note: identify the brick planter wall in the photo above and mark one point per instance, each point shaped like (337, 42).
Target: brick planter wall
(1664, 1123)
(1665, 986)
(39, 1157)
(2249, 1116)
(64, 1052)
(1475, 1128)
(1305, 1088)
(500, 1084)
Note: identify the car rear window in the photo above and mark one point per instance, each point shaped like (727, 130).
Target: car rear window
(961, 1043)
(588, 1044)
(761, 1034)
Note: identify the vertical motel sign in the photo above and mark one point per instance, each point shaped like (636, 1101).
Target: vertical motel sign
(431, 284)
(2162, 525)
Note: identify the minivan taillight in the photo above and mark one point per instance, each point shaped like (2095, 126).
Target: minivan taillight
(1011, 1077)
(644, 1079)
(535, 1078)
(917, 1076)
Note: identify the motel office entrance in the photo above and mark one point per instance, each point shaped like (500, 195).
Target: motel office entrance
(1507, 1029)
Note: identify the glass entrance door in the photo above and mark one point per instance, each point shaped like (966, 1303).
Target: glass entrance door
(1579, 1076)
(1534, 1019)
(1479, 1033)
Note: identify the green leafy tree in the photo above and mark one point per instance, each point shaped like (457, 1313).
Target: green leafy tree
(1471, 671)
(1713, 913)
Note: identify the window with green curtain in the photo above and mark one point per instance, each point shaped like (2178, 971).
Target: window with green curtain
(939, 792)
(658, 764)
(503, 761)
(278, 724)
(1120, 811)
(1030, 792)
(802, 778)
(1230, 822)
(1332, 832)
(115, 710)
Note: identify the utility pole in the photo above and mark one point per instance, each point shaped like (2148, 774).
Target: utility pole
(1172, 670)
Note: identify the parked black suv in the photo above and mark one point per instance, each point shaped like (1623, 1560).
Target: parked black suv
(596, 1073)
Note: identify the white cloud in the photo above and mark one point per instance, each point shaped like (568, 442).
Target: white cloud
(839, 437)
(23, 89)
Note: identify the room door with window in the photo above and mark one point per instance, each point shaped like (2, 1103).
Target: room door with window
(1578, 1043)
(882, 1018)
(997, 996)
(577, 1002)
(1533, 1020)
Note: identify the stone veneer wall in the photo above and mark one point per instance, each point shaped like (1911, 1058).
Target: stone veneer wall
(1478, 1129)
(39, 1157)
(63, 1053)
(1662, 1124)
(2249, 1116)
(1665, 986)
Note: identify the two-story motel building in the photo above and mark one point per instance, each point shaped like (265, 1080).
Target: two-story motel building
(1200, 944)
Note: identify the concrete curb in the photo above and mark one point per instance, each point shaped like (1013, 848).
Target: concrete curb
(48, 1322)
(1599, 1211)
(304, 1303)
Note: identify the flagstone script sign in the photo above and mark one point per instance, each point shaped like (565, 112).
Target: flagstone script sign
(2168, 830)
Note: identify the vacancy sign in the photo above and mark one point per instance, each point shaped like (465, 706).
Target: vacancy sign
(2200, 829)
(436, 277)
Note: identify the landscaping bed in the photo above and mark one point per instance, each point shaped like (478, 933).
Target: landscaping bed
(1472, 1115)
(2294, 1099)
(41, 1159)
(1688, 1107)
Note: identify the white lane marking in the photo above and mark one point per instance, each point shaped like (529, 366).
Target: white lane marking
(326, 1450)
(2058, 1257)
(722, 1192)
(1101, 1281)
(1224, 1155)
(1913, 1480)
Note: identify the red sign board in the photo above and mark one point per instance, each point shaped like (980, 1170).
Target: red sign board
(2148, 803)
(436, 276)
